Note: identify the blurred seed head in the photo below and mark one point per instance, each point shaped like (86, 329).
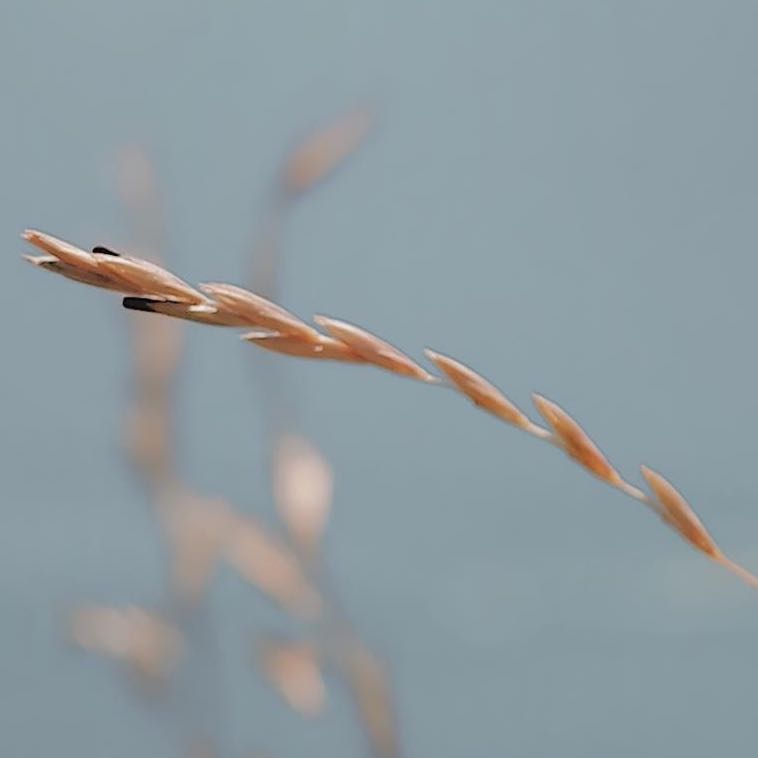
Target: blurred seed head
(303, 485)
(371, 690)
(324, 151)
(293, 670)
(198, 529)
(144, 641)
(270, 566)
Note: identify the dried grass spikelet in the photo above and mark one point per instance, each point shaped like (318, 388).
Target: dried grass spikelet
(270, 566)
(204, 313)
(303, 485)
(259, 312)
(63, 251)
(678, 514)
(146, 642)
(52, 264)
(106, 269)
(198, 529)
(324, 150)
(373, 698)
(324, 348)
(63, 258)
(481, 392)
(575, 441)
(146, 278)
(293, 670)
(373, 349)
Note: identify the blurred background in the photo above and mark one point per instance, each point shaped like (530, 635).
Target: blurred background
(562, 195)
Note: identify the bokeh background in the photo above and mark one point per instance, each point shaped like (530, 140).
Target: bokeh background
(562, 195)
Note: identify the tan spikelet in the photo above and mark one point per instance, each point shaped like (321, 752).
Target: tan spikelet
(63, 251)
(257, 311)
(371, 690)
(268, 565)
(323, 151)
(204, 313)
(679, 515)
(137, 637)
(147, 278)
(198, 530)
(324, 348)
(302, 489)
(293, 670)
(575, 441)
(373, 349)
(478, 389)
(76, 273)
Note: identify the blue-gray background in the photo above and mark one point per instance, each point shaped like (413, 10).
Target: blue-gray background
(562, 194)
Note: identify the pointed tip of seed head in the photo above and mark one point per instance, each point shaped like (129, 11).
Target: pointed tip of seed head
(433, 355)
(37, 260)
(541, 402)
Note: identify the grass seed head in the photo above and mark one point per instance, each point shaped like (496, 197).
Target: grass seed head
(575, 441)
(293, 670)
(147, 278)
(259, 312)
(679, 515)
(205, 313)
(270, 566)
(325, 348)
(303, 484)
(373, 349)
(481, 392)
(323, 151)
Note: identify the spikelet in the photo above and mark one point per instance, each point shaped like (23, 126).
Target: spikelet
(259, 312)
(374, 350)
(481, 392)
(303, 485)
(147, 278)
(324, 348)
(198, 529)
(75, 273)
(678, 514)
(323, 151)
(139, 638)
(268, 565)
(68, 254)
(370, 686)
(205, 313)
(575, 442)
(293, 670)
